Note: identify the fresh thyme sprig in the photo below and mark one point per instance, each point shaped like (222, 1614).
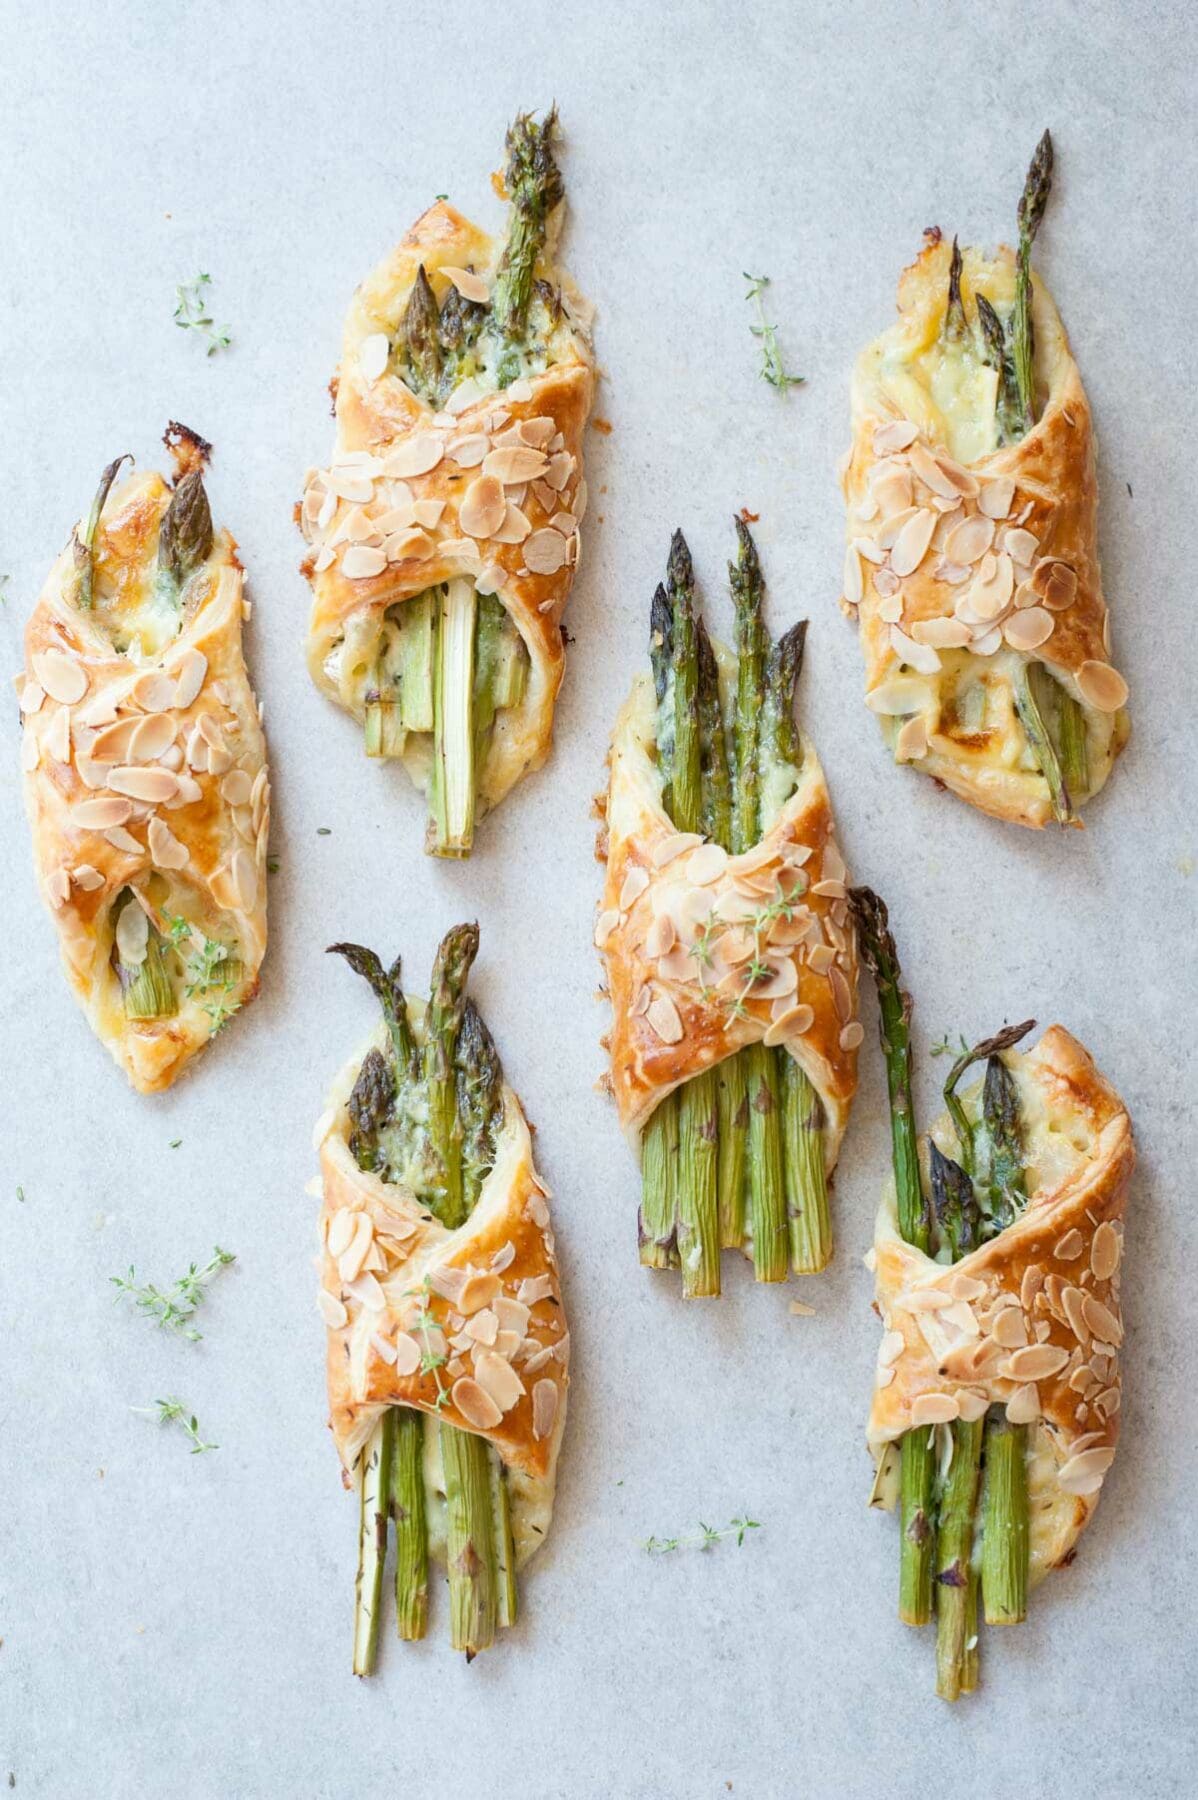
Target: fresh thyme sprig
(172, 1411)
(191, 314)
(945, 1048)
(771, 369)
(174, 1308)
(425, 1323)
(706, 1536)
(210, 969)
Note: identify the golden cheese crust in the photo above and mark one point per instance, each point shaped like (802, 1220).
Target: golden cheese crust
(680, 918)
(149, 774)
(400, 1292)
(965, 570)
(491, 489)
(1031, 1320)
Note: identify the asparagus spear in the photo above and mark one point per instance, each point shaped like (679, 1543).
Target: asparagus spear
(656, 1222)
(375, 1497)
(420, 333)
(989, 1047)
(85, 546)
(452, 788)
(535, 187)
(1040, 742)
(447, 1000)
(996, 355)
(1032, 202)
(369, 1106)
(470, 1541)
(917, 1458)
(697, 1207)
(411, 1525)
(1005, 1547)
(1073, 747)
(767, 1195)
(184, 537)
(954, 328)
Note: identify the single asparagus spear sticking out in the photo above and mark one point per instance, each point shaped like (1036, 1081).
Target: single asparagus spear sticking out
(917, 1543)
(535, 187)
(1005, 1545)
(85, 546)
(1040, 743)
(375, 1492)
(386, 986)
(421, 337)
(369, 1106)
(470, 1541)
(966, 1130)
(767, 1196)
(1074, 750)
(411, 1525)
(1032, 202)
(698, 1105)
(447, 1000)
(656, 1224)
(955, 328)
(184, 537)
(453, 785)
(1009, 428)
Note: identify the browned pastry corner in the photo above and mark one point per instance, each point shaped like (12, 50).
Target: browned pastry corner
(145, 768)
(967, 564)
(1031, 1320)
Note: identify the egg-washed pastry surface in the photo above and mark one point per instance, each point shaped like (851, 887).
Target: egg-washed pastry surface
(145, 769)
(730, 958)
(448, 1351)
(972, 561)
(445, 533)
(996, 1260)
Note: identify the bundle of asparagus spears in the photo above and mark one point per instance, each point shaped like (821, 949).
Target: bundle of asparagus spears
(974, 1362)
(447, 1357)
(972, 555)
(445, 533)
(730, 959)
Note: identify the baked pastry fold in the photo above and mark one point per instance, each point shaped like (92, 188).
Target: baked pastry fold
(972, 565)
(460, 478)
(1031, 1320)
(145, 772)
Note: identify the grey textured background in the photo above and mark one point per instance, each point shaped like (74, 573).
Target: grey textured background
(184, 1623)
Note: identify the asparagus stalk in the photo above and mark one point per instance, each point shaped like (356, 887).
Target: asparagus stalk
(507, 1593)
(956, 1580)
(535, 188)
(697, 1208)
(184, 538)
(416, 667)
(954, 328)
(1005, 1544)
(1040, 743)
(420, 333)
(375, 1491)
(150, 993)
(917, 1542)
(656, 1223)
(1032, 202)
(453, 782)
(767, 1193)
(411, 1525)
(1073, 747)
(471, 1553)
(995, 353)
(447, 1002)
(85, 546)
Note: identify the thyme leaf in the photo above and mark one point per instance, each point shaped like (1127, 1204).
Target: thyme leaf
(172, 1411)
(192, 314)
(172, 1309)
(705, 1537)
(771, 369)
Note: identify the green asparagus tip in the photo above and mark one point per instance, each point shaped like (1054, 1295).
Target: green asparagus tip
(745, 572)
(531, 169)
(1036, 190)
(680, 572)
(85, 546)
(661, 639)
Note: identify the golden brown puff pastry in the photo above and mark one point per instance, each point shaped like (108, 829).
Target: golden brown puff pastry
(480, 485)
(968, 564)
(145, 770)
(1030, 1320)
(668, 1023)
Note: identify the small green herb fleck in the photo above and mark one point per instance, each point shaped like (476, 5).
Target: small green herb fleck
(442, 196)
(174, 1307)
(21, 1195)
(771, 369)
(175, 1142)
(191, 314)
(272, 865)
(946, 1048)
(705, 1537)
(324, 831)
(172, 1411)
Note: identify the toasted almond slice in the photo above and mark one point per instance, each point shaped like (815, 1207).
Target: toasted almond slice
(1083, 1474)
(605, 924)
(929, 470)
(475, 1404)
(514, 528)
(1055, 582)
(635, 883)
(151, 738)
(352, 1259)
(561, 467)
(941, 634)
(912, 741)
(154, 691)
(934, 1409)
(340, 1232)
(920, 657)
(1069, 1247)
(33, 695)
(1010, 1328)
(152, 785)
(468, 284)
(706, 864)
(545, 552)
(1021, 545)
(243, 871)
(1036, 1363)
(417, 455)
(468, 451)
(911, 543)
(56, 738)
(794, 1022)
(664, 1020)
(373, 355)
(969, 541)
(101, 813)
(1023, 1408)
(544, 1408)
(1107, 1328)
(995, 497)
(123, 840)
(1102, 686)
(1105, 1251)
(332, 1310)
(498, 1379)
(854, 588)
(1029, 629)
(661, 936)
(893, 436)
(516, 463)
(668, 848)
(852, 1036)
(237, 788)
(781, 980)
(60, 675)
(165, 849)
(483, 507)
(890, 1348)
(84, 876)
(360, 562)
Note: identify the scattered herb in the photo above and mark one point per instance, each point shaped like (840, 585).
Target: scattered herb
(771, 369)
(272, 865)
(705, 1538)
(172, 1411)
(21, 1195)
(431, 1362)
(5, 579)
(175, 1142)
(442, 196)
(191, 314)
(174, 1308)
(324, 831)
(945, 1048)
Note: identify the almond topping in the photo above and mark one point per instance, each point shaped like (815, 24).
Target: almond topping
(1056, 583)
(1069, 1247)
(544, 1408)
(1102, 1321)
(1028, 629)
(99, 814)
(154, 692)
(911, 544)
(477, 1291)
(794, 1022)
(1035, 1363)
(894, 436)
(1083, 1474)
(483, 507)
(497, 1379)
(62, 678)
(332, 1310)
(468, 284)
(373, 355)
(853, 585)
(1101, 686)
(151, 785)
(605, 924)
(934, 1409)
(920, 657)
(995, 497)
(635, 883)
(416, 456)
(706, 864)
(545, 552)
(969, 541)
(475, 1404)
(408, 1354)
(663, 1019)
(674, 845)
(1105, 1251)
(165, 848)
(360, 562)
(515, 527)
(1024, 1405)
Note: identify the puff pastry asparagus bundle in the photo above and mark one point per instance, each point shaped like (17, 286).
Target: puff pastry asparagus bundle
(731, 965)
(996, 1259)
(447, 1344)
(445, 533)
(145, 769)
(973, 559)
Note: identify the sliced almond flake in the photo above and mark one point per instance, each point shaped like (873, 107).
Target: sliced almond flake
(1083, 1475)
(930, 471)
(995, 497)
(605, 924)
(635, 883)
(1102, 1321)
(534, 1288)
(912, 541)
(1010, 1328)
(890, 1348)
(561, 467)
(544, 1408)
(893, 493)
(706, 864)
(920, 657)
(987, 642)
(483, 507)
(469, 449)
(417, 455)
(498, 1379)
(516, 463)
(1036, 1363)
(1105, 1251)
(886, 586)
(895, 435)
(883, 1378)
(519, 391)
(545, 495)
(100, 814)
(1021, 544)
(478, 1290)
(934, 1409)
(854, 588)
(332, 1310)
(873, 553)
(341, 1230)
(475, 1404)
(1056, 583)
(60, 676)
(842, 997)
(1101, 686)
(1069, 1247)
(84, 876)
(544, 552)
(56, 738)
(32, 697)
(120, 839)
(468, 284)
(664, 1020)
(969, 541)
(1028, 630)
(373, 355)
(795, 1021)
(852, 1036)
(1023, 1407)
(165, 849)
(661, 936)
(667, 848)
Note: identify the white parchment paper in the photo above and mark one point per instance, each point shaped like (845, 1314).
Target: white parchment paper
(184, 1623)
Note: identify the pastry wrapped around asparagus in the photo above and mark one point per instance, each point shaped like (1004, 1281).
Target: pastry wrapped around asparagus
(445, 532)
(996, 1260)
(447, 1343)
(972, 562)
(145, 768)
(731, 964)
